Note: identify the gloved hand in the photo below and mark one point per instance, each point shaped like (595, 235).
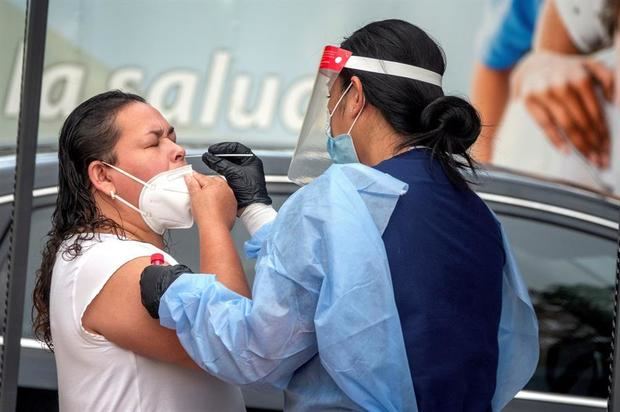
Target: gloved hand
(245, 175)
(154, 281)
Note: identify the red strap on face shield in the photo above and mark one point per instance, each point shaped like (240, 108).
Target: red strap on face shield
(334, 58)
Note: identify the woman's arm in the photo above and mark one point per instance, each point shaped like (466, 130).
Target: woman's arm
(504, 36)
(489, 96)
(116, 313)
(551, 33)
(214, 209)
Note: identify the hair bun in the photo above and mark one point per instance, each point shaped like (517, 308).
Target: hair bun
(451, 124)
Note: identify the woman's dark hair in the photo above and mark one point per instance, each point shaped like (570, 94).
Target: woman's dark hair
(89, 133)
(419, 111)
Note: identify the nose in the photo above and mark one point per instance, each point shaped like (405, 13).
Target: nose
(178, 153)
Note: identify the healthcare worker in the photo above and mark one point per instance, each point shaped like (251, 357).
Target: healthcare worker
(385, 284)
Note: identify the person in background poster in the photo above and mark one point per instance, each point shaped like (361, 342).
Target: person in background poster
(505, 37)
(562, 121)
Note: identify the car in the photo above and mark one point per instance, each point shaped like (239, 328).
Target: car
(564, 238)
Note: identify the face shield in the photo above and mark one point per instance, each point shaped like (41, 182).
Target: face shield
(311, 157)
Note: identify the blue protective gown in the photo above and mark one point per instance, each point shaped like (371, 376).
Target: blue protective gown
(327, 325)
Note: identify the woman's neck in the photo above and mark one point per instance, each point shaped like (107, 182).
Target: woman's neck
(147, 236)
(130, 229)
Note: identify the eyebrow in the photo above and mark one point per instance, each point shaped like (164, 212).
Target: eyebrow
(160, 132)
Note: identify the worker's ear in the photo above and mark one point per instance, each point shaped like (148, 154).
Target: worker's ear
(355, 100)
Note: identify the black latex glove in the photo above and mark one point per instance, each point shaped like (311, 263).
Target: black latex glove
(154, 281)
(245, 175)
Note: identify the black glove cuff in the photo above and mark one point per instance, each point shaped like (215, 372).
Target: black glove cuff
(154, 281)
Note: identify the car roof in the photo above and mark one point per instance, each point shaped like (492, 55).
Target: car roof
(558, 193)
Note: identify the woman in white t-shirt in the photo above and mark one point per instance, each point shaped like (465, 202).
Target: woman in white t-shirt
(121, 185)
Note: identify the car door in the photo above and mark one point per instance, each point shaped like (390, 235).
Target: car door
(568, 261)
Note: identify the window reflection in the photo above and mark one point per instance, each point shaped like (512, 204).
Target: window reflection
(571, 276)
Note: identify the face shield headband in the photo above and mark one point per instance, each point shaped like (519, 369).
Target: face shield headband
(311, 157)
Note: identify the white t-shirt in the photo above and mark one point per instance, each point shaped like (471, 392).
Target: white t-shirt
(94, 374)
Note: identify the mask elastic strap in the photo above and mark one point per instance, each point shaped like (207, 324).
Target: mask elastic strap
(339, 100)
(114, 196)
(129, 175)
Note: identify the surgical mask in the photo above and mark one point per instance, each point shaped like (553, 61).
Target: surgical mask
(164, 200)
(341, 148)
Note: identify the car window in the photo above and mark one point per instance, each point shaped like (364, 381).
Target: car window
(571, 277)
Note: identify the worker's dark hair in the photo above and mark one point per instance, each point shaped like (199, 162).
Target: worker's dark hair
(417, 110)
(88, 134)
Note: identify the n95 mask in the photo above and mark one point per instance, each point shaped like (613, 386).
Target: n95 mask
(164, 200)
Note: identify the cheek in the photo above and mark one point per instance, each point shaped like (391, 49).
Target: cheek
(150, 167)
(146, 163)
(338, 127)
(128, 189)
(140, 168)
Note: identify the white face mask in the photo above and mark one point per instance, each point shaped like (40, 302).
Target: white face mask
(164, 200)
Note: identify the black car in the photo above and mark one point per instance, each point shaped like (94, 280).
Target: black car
(564, 239)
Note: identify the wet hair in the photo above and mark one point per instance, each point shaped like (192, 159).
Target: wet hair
(419, 111)
(88, 134)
